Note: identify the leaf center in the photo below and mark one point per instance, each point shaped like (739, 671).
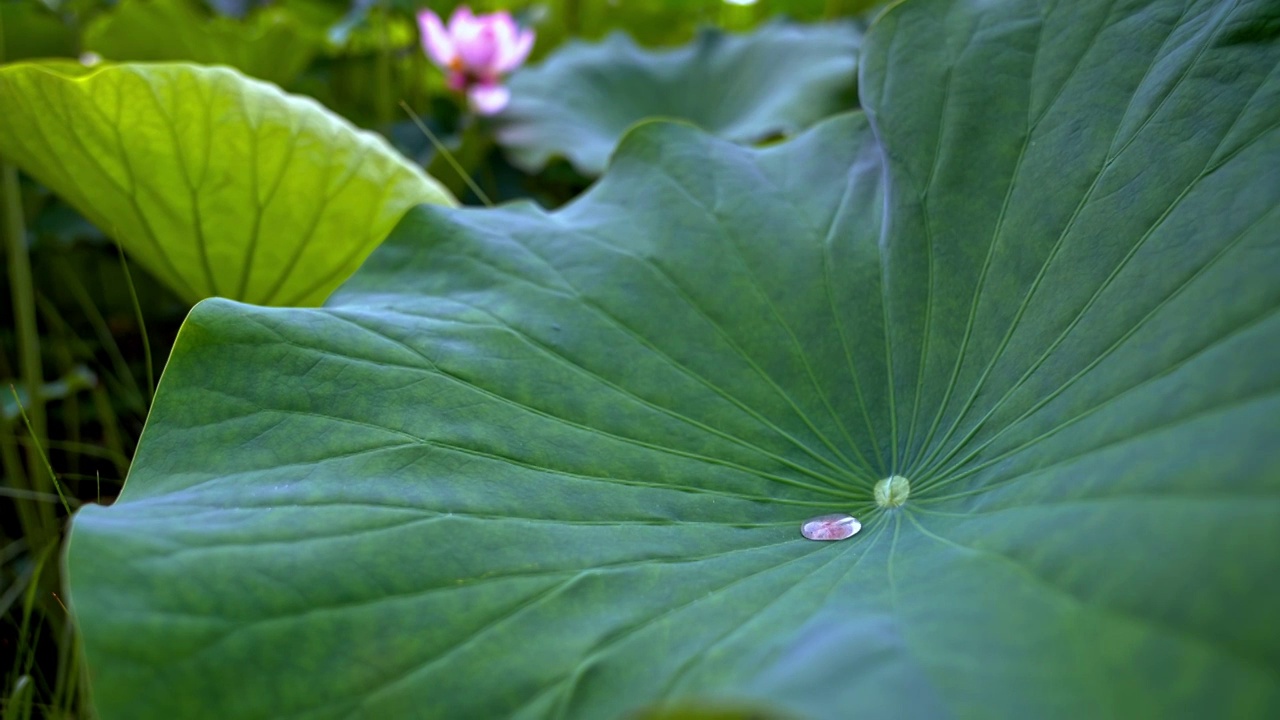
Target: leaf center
(892, 491)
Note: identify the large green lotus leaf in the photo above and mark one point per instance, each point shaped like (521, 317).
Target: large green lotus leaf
(774, 81)
(218, 184)
(555, 465)
(271, 45)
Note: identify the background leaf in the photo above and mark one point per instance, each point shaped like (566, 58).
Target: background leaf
(216, 183)
(31, 30)
(774, 81)
(529, 464)
(274, 46)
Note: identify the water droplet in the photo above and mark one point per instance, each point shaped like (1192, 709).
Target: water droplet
(836, 526)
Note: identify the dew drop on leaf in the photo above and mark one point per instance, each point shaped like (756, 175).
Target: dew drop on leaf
(836, 526)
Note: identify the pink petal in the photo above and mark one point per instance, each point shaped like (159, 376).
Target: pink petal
(478, 47)
(513, 54)
(504, 27)
(488, 99)
(460, 20)
(435, 40)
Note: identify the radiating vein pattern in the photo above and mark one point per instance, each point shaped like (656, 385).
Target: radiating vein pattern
(218, 184)
(1056, 284)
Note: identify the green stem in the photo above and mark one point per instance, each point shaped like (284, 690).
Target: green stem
(571, 13)
(382, 70)
(142, 326)
(10, 460)
(24, 311)
(111, 436)
(40, 451)
(475, 144)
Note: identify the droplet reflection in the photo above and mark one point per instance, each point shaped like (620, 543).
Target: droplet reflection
(836, 526)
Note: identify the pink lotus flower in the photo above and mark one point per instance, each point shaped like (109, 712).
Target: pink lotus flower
(476, 51)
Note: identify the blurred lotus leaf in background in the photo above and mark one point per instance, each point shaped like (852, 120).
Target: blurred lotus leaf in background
(771, 82)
